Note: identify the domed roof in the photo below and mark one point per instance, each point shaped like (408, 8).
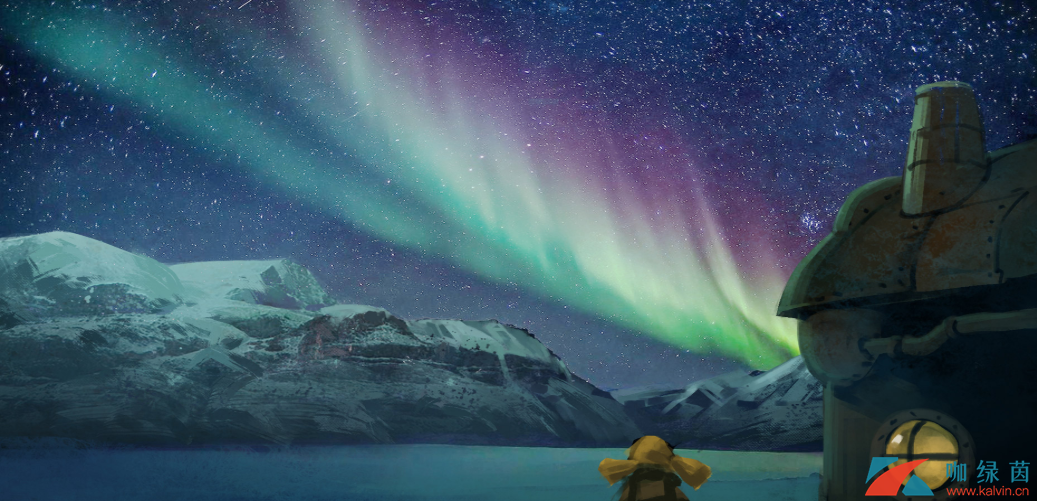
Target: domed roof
(877, 254)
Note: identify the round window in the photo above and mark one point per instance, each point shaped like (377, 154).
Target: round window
(926, 434)
(920, 439)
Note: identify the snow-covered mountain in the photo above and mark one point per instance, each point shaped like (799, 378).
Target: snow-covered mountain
(282, 283)
(62, 274)
(779, 409)
(97, 343)
(101, 344)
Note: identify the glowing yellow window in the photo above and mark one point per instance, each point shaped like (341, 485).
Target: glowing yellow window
(920, 439)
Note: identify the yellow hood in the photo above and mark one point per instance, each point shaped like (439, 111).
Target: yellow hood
(654, 451)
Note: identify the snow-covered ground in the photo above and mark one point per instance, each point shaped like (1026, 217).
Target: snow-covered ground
(404, 472)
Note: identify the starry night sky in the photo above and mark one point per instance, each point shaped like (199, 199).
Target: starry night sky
(631, 181)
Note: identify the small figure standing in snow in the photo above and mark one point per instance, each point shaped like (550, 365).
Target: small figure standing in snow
(652, 472)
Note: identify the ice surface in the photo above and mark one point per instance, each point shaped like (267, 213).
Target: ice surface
(407, 472)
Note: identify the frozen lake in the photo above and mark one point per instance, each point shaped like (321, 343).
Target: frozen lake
(393, 472)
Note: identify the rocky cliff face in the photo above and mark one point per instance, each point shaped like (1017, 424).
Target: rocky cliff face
(100, 344)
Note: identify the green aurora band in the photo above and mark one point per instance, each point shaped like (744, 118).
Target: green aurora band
(428, 171)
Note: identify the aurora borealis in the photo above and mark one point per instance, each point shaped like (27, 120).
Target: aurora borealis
(632, 182)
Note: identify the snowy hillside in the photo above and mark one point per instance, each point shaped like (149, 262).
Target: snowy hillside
(100, 344)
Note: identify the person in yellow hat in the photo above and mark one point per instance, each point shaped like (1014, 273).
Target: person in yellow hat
(652, 472)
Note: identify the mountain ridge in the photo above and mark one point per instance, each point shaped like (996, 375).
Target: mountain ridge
(100, 344)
